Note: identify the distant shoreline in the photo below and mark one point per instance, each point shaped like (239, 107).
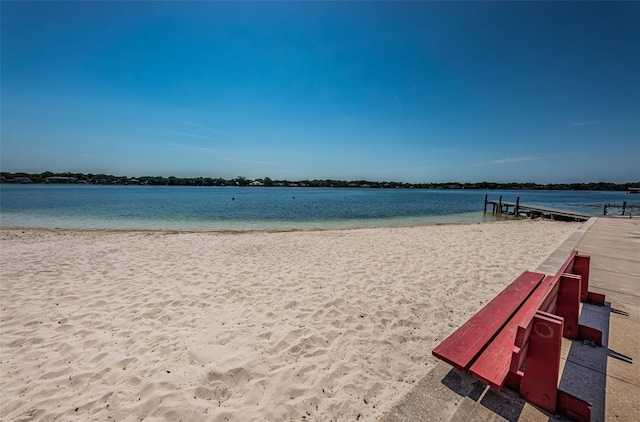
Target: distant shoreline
(240, 181)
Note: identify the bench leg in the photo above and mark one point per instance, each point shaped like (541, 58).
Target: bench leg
(539, 384)
(568, 303)
(573, 407)
(581, 268)
(568, 307)
(590, 334)
(595, 298)
(540, 380)
(581, 265)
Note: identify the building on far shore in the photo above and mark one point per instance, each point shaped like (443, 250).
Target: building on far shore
(60, 179)
(22, 180)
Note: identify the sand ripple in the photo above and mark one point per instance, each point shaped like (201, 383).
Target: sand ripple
(313, 325)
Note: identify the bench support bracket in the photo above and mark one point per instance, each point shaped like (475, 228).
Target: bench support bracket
(573, 407)
(568, 307)
(568, 304)
(539, 384)
(540, 380)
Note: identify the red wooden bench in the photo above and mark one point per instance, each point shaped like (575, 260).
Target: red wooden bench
(515, 340)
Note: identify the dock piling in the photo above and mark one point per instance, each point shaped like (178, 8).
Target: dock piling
(503, 207)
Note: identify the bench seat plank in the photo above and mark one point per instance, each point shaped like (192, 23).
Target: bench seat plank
(462, 347)
(493, 365)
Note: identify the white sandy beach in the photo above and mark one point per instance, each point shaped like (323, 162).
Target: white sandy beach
(300, 325)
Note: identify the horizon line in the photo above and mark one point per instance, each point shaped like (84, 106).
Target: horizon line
(69, 173)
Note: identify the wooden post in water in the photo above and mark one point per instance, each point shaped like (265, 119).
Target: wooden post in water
(516, 211)
(624, 207)
(500, 204)
(486, 196)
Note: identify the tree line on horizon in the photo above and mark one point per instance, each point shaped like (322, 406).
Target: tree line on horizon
(108, 179)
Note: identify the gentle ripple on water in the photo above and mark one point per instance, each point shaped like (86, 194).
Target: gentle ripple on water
(224, 208)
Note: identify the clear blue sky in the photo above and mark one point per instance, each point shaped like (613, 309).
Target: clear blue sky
(414, 92)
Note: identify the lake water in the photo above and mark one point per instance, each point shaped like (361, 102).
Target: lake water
(221, 208)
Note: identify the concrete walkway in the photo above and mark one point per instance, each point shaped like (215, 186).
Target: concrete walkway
(608, 376)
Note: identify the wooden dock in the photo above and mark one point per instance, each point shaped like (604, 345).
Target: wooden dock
(519, 209)
(624, 209)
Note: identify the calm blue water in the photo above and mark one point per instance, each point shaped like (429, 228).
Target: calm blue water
(179, 207)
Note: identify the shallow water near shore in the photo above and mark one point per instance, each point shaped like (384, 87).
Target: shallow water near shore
(242, 208)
